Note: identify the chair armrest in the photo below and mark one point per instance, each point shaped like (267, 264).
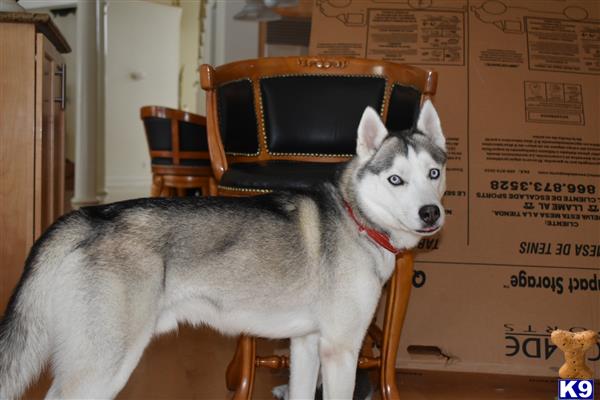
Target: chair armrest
(215, 144)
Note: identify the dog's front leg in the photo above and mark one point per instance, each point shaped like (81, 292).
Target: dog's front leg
(304, 367)
(338, 365)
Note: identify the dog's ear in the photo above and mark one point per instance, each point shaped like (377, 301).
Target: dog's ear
(371, 132)
(429, 124)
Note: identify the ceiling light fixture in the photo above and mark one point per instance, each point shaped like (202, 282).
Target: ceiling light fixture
(256, 10)
(281, 3)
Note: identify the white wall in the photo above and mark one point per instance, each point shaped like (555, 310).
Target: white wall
(143, 39)
(239, 38)
(189, 47)
(225, 39)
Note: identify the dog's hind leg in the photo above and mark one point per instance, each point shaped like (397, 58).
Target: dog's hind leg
(96, 372)
(304, 367)
(103, 323)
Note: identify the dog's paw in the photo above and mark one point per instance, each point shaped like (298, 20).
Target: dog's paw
(281, 392)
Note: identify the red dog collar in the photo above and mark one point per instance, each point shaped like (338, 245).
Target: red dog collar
(378, 237)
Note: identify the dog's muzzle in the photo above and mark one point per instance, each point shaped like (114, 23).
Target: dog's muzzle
(430, 214)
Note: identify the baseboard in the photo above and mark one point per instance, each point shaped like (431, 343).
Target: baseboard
(484, 368)
(126, 187)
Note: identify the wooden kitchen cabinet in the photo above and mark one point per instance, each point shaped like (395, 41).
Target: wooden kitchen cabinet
(32, 132)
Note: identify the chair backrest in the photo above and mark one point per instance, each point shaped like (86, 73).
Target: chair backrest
(175, 137)
(304, 108)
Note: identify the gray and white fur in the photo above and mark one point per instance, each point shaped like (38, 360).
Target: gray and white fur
(102, 281)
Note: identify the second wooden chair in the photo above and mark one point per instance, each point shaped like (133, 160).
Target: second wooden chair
(178, 151)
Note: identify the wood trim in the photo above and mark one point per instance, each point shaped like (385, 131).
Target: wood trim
(430, 83)
(272, 362)
(206, 79)
(365, 362)
(38, 137)
(398, 295)
(376, 334)
(181, 170)
(175, 141)
(50, 158)
(171, 113)
(277, 362)
(47, 135)
(424, 80)
(241, 370)
(176, 185)
(43, 23)
(260, 120)
(60, 127)
(213, 130)
(185, 181)
(157, 185)
(179, 154)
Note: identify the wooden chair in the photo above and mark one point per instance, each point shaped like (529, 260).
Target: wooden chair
(290, 122)
(178, 151)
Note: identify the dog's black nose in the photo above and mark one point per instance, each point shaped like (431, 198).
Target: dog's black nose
(429, 214)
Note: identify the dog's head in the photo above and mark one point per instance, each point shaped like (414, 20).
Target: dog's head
(401, 176)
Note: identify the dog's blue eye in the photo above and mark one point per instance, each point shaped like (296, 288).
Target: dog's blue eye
(395, 180)
(434, 173)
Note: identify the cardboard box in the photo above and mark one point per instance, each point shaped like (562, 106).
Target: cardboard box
(519, 98)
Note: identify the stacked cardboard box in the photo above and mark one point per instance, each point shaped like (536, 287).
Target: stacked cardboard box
(519, 98)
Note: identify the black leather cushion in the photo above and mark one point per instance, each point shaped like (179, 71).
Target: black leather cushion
(192, 137)
(237, 120)
(158, 131)
(317, 114)
(404, 108)
(279, 175)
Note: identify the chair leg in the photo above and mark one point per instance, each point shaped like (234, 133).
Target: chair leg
(213, 190)
(157, 185)
(395, 311)
(241, 369)
(169, 191)
(206, 189)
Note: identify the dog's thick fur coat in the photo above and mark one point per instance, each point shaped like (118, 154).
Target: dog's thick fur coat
(102, 281)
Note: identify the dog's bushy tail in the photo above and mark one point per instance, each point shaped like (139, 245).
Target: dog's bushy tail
(24, 336)
(24, 343)
(24, 347)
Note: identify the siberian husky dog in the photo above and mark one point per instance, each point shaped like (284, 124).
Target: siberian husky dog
(103, 280)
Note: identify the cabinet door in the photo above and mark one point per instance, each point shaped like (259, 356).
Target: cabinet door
(49, 135)
(17, 109)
